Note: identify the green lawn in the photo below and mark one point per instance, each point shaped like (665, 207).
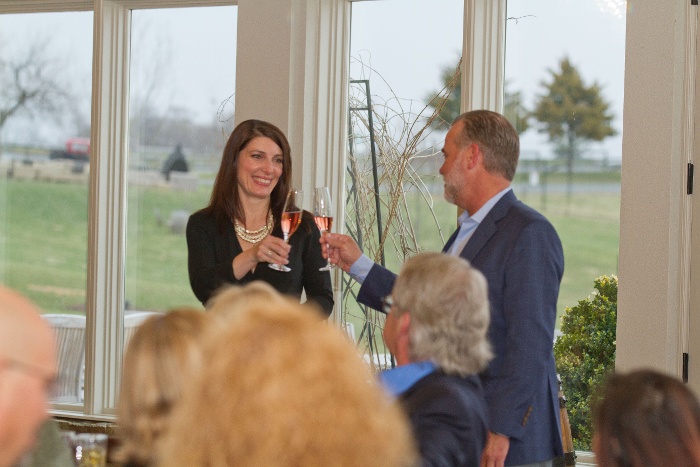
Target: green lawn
(43, 242)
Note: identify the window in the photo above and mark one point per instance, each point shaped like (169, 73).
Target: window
(45, 165)
(401, 76)
(574, 182)
(311, 51)
(181, 112)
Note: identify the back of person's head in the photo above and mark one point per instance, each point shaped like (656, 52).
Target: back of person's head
(496, 137)
(645, 418)
(27, 371)
(230, 298)
(162, 355)
(447, 300)
(282, 387)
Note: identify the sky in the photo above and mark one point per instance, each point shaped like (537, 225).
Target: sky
(184, 58)
(409, 42)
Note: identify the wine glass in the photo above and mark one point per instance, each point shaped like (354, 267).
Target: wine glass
(291, 218)
(323, 216)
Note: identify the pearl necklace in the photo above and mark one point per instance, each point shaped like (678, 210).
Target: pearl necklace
(253, 236)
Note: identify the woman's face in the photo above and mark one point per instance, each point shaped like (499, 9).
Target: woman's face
(259, 167)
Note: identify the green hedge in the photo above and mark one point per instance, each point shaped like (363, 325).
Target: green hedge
(585, 353)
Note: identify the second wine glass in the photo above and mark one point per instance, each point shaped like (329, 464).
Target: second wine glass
(291, 218)
(324, 216)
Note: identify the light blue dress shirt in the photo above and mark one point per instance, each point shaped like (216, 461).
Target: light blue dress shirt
(402, 378)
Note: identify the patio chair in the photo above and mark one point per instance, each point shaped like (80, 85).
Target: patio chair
(132, 320)
(70, 338)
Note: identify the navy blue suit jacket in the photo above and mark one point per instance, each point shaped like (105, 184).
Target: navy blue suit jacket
(448, 417)
(520, 254)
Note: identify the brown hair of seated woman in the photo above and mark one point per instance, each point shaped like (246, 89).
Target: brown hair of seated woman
(646, 418)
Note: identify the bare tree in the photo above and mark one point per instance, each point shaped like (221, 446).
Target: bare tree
(30, 84)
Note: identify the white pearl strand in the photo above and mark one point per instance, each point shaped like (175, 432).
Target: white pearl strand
(253, 236)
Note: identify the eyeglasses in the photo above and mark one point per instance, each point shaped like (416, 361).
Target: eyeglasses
(387, 303)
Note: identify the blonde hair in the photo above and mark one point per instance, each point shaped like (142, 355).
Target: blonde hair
(162, 354)
(448, 302)
(229, 299)
(282, 387)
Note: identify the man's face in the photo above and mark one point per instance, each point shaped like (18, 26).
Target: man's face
(453, 169)
(24, 393)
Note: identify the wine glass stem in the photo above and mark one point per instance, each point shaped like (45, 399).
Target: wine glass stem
(328, 250)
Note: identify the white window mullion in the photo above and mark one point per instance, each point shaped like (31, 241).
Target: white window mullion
(107, 207)
(483, 54)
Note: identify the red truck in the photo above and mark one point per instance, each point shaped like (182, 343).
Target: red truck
(76, 149)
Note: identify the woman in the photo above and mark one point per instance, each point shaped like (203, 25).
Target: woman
(645, 418)
(232, 240)
(165, 351)
(283, 388)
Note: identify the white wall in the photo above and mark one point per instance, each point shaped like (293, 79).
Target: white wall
(653, 247)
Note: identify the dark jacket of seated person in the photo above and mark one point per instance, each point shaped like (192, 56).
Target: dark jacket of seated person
(436, 327)
(447, 413)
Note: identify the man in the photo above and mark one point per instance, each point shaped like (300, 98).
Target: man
(520, 254)
(27, 371)
(437, 319)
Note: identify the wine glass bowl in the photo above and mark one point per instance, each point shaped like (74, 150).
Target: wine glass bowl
(323, 215)
(291, 218)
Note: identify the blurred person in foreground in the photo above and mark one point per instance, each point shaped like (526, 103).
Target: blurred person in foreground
(163, 353)
(27, 372)
(232, 240)
(646, 419)
(438, 316)
(519, 252)
(230, 299)
(282, 387)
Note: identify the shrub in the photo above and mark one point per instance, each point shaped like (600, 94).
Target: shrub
(585, 353)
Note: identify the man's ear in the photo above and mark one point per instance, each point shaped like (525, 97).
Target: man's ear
(404, 327)
(474, 156)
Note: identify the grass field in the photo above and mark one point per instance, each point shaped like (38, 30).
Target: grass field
(43, 242)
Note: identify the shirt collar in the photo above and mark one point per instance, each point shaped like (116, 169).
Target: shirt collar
(485, 209)
(402, 378)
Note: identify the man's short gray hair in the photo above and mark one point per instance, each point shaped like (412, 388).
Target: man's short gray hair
(447, 300)
(496, 137)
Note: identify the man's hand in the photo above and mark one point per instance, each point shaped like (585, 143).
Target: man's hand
(340, 249)
(496, 449)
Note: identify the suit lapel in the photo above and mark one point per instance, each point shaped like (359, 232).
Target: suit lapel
(450, 241)
(487, 227)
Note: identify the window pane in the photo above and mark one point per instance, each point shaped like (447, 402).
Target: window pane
(45, 86)
(181, 111)
(565, 65)
(396, 67)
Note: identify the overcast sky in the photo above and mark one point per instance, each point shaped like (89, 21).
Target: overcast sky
(408, 42)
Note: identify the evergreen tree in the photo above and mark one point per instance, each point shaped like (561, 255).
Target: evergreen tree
(572, 113)
(448, 100)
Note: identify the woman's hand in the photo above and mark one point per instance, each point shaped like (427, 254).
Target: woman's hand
(272, 250)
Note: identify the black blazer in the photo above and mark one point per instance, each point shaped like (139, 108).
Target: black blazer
(448, 417)
(211, 253)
